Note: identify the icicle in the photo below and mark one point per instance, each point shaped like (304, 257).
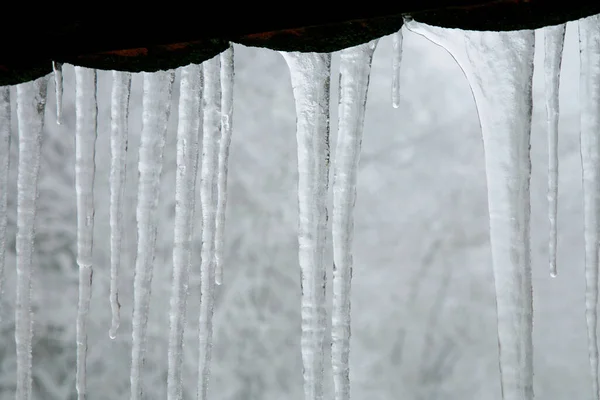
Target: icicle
(396, 61)
(227, 75)
(589, 88)
(86, 110)
(119, 114)
(58, 89)
(31, 102)
(185, 191)
(355, 69)
(499, 67)
(4, 166)
(209, 199)
(156, 110)
(310, 82)
(554, 37)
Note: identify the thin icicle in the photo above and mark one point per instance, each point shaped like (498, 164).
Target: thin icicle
(499, 68)
(185, 191)
(4, 166)
(58, 89)
(396, 62)
(589, 89)
(310, 75)
(31, 102)
(86, 123)
(227, 76)
(355, 69)
(156, 105)
(209, 199)
(554, 37)
(119, 115)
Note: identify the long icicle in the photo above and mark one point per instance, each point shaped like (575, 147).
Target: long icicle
(86, 124)
(209, 200)
(589, 89)
(554, 37)
(119, 117)
(310, 76)
(227, 78)
(397, 39)
(4, 167)
(58, 89)
(31, 102)
(355, 69)
(499, 68)
(185, 192)
(156, 110)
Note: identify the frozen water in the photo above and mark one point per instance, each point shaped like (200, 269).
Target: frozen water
(31, 103)
(4, 165)
(499, 68)
(310, 75)
(185, 196)
(554, 37)
(156, 110)
(355, 69)
(119, 117)
(396, 63)
(58, 89)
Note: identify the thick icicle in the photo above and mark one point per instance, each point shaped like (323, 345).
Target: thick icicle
(589, 89)
(499, 68)
(554, 37)
(119, 116)
(355, 69)
(4, 166)
(310, 75)
(227, 75)
(58, 89)
(185, 196)
(156, 105)
(31, 102)
(209, 200)
(86, 110)
(396, 62)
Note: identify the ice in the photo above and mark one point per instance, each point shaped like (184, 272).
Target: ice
(589, 89)
(310, 76)
(86, 110)
(554, 37)
(185, 191)
(119, 117)
(31, 102)
(355, 69)
(156, 105)
(58, 89)
(499, 68)
(227, 76)
(396, 62)
(4, 164)
(209, 199)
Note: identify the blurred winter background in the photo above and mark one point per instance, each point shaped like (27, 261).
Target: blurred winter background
(423, 297)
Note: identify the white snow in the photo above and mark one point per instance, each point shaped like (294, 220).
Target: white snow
(156, 110)
(4, 165)
(185, 198)
(31, 102)
(209, 199)
(227, 78)
(396, 63)
(119, 117)
(86, 124)
(58, 89)
(310, 76)
(554, 37)
(499, 68)
(589, 89)
(355, 69)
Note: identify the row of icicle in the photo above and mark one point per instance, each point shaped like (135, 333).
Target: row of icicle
(499, 68)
